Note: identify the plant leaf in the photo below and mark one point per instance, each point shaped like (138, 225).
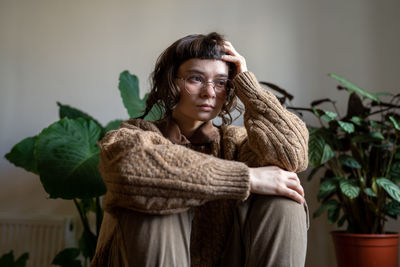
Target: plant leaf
(330, 204)
(66, 111)
(356, 120)
(22, 155)
(112, 125)
(395, 123)
(349, 188)
(21, 261)
(328, 116)
(327, 187)
(67, 258)
(342, 220)
(390, 188)
(87, 244)
(393, 208)
(319, 151)
(395, 169)
(349, 161)
(366, 138)
(376, 125)
(155, 113)
(129, 89)
(354, 88)
(333, 214)
(67, 159)
(369, 192)
(348, 127)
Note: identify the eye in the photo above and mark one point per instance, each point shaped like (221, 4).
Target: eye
(195, 79)
(221, 82)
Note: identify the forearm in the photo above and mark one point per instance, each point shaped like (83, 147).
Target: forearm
(158, 177)
(277, 136)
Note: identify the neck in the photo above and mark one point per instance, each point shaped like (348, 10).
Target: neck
(187, 127)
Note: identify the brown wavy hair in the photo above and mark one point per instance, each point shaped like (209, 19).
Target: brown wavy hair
(165, 93)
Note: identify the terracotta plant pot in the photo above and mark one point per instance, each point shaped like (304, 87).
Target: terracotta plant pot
(363, 250)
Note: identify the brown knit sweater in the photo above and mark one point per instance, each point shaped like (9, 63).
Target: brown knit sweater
(151, 167)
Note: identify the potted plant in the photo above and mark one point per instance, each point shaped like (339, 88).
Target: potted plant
(65, 156)
(358, 155)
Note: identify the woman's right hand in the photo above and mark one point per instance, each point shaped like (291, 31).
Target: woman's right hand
(272, 180)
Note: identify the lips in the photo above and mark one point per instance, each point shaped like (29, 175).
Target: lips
(206, 107)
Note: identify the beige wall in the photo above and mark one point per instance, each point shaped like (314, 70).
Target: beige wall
(73, 51)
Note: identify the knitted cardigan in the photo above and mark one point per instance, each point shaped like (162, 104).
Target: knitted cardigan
(151, 167)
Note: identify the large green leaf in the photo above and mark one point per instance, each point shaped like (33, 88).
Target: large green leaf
(155, 113)
(112, 125)
(66, 111)
(349, 188)
(390, 188)
(67, 159)
(22, 154)
(354, 88)
(129, 89)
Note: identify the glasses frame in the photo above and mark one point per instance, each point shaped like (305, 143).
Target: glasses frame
(228, 82)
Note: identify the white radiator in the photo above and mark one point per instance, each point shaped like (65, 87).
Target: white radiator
(41, 236)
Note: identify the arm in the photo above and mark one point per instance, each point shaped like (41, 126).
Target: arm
(145, 172)
(274, 137)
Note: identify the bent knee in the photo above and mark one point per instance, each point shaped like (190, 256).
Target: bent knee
(281, 209)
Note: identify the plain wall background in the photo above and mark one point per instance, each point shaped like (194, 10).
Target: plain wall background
(73, 51)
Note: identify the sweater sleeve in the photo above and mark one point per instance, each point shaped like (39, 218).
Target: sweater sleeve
(273, 136)
(146, 172)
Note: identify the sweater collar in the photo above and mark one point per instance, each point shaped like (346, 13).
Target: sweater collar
(206, 133)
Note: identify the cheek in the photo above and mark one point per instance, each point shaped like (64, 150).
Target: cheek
(220, 101)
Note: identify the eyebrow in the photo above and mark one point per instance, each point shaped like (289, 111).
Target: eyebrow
(202, 73)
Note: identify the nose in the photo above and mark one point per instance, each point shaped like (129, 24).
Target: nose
(208, 90)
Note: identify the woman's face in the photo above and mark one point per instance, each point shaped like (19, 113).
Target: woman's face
(195, 107)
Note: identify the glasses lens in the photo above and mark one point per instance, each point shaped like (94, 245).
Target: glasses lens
(194, 83)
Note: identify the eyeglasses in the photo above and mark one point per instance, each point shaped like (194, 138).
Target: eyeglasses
(195, 83)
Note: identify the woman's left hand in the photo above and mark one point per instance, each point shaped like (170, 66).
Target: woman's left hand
(234, 57)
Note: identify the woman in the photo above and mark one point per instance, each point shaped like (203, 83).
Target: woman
(183, 192)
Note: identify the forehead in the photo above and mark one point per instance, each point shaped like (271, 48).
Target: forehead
(209, 67)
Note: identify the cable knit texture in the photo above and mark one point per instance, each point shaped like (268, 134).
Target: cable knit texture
(151, 167)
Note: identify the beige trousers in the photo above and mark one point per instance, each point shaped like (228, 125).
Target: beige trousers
(267, 231)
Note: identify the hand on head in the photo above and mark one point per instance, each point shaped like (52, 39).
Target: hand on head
(234, 57)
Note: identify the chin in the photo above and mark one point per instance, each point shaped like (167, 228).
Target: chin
(205, 117)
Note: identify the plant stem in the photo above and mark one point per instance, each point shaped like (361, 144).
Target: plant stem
(84, 219)
(391, 156)
(99, 216)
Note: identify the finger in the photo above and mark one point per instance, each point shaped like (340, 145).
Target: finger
(295, 185)
(295, 196)
(230, 58)
(231, 50)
